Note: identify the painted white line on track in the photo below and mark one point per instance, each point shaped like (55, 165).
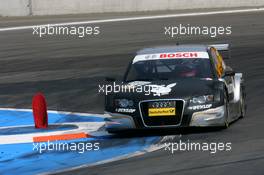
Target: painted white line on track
(85, 127)
(137, 18)
(57, 112)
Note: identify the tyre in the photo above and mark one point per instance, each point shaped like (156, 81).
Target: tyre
(226, 103)
(242, 103)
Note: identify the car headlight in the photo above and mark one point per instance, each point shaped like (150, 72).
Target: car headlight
(202, 99)
(124, 103)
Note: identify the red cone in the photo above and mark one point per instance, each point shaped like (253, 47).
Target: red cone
(39, 108)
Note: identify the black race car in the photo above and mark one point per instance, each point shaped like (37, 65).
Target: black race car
(176, 86)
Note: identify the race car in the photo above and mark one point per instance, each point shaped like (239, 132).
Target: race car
(176, 86)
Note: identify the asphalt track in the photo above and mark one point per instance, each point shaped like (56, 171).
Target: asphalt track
(69, 69)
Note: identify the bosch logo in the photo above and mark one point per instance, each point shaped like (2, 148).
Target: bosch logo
(179, 55)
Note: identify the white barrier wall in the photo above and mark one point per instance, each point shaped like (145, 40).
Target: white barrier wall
(56, 7)
(14, 8)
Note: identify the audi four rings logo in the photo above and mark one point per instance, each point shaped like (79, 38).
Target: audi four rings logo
(163, 104)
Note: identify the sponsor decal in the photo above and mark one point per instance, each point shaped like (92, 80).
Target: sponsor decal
(207, 106)
(159, 90)
(171, 55)
(161, 112)
(180, 55)
(125, 110)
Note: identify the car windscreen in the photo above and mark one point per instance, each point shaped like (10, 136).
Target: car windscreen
(166, 69)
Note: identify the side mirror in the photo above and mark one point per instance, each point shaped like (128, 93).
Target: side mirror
(229, 73)
(110, 79)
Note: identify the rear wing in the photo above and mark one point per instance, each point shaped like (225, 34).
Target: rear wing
(223, 49)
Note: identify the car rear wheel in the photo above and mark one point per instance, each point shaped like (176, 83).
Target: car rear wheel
(242, 104)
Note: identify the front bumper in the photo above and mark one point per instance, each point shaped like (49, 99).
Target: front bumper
(205, 118)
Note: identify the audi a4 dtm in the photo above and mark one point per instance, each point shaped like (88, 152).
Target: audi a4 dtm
(177, 86)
